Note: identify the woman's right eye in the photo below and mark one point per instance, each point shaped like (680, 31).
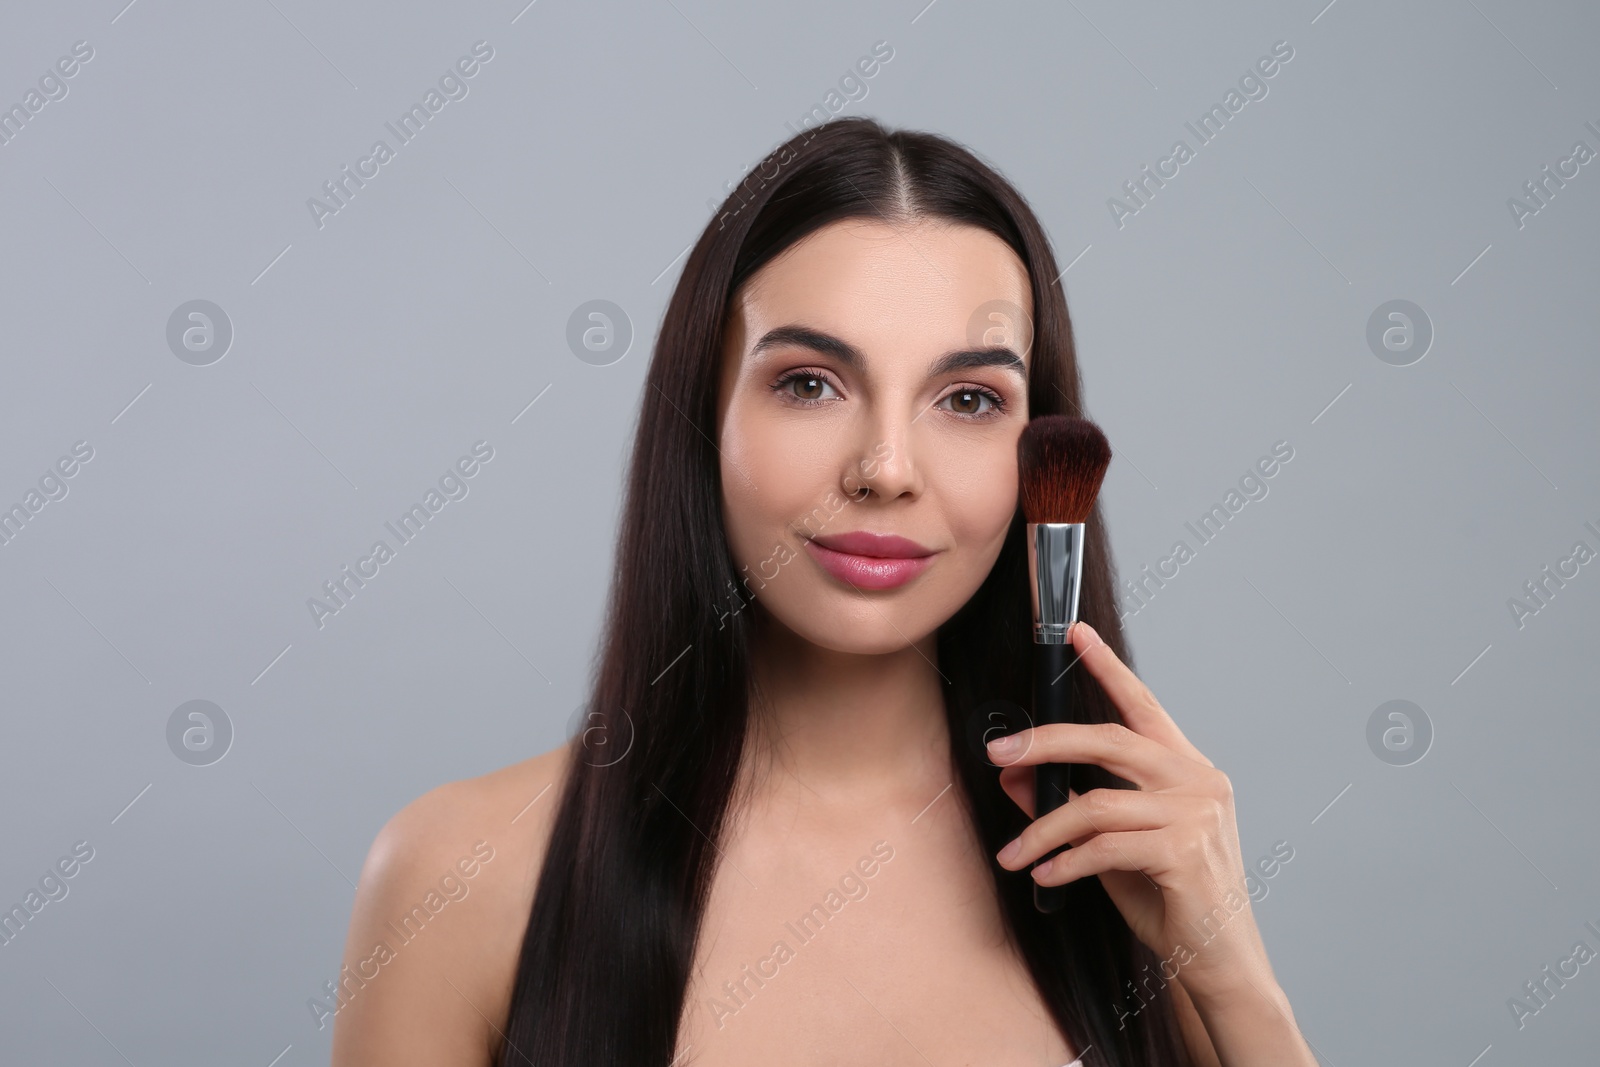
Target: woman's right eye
(806, 387)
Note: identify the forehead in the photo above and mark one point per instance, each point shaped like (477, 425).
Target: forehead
(915, 289)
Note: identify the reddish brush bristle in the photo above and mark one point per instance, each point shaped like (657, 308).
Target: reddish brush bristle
(1061, 461)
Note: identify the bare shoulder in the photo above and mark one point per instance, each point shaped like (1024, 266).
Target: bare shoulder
(440, 910)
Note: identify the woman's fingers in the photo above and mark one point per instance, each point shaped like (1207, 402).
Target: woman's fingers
(1099, 811)
(1140, 709)
(1145, 851)
(1125, 753)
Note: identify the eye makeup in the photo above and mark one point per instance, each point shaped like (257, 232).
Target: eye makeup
(998, 403)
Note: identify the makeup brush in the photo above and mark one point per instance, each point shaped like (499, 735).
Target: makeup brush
(1061, 461)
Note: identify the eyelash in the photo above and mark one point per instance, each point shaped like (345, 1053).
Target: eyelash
(803, 374)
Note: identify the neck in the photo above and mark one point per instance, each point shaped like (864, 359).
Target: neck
(847, 726)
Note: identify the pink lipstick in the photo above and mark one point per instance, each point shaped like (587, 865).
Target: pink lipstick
(870, 561)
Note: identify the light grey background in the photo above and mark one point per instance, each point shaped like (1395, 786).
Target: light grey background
(1228, 314)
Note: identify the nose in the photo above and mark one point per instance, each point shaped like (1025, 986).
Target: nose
(883, 465)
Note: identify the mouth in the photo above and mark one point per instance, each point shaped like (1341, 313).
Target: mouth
(865, 560)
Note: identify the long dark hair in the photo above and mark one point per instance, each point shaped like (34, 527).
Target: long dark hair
(607, 955)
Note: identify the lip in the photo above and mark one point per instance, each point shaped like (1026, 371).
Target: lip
(870, 561)
(880, 546)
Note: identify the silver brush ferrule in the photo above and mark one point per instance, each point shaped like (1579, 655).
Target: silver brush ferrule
(1055, 571)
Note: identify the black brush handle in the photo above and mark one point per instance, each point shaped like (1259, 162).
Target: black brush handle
(1050, 780)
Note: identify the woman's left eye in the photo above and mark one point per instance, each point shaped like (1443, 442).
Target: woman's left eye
(970, 402)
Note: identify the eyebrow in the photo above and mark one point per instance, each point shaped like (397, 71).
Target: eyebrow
(850, 355)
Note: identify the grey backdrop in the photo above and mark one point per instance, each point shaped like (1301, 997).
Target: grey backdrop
(1432, 476)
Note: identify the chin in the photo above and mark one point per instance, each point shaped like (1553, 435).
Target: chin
(855, 627)
(863, 641)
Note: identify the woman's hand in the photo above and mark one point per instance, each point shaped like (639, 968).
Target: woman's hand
(1166, 853)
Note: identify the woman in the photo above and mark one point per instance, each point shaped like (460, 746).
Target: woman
(775, 840)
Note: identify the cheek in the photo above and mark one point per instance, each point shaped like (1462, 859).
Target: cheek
(773, 445)
(774, 472)
(986, 484)
(744, 518)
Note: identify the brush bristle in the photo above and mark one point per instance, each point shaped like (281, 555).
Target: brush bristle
(1061, 461)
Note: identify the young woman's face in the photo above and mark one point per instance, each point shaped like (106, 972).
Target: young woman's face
(874, 379)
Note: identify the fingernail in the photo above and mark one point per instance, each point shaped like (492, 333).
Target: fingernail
(1043, 869)
(1088, 630)
(1001, 745)
(1009, 853)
